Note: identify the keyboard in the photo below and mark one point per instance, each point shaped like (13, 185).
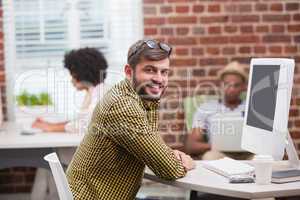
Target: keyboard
(228, 167)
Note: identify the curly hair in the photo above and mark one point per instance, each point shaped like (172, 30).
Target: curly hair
(86, 65)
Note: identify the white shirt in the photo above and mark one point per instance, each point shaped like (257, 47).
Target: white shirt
(92, 97)
(207, 111)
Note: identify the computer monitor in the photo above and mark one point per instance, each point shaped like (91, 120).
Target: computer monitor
(267, 107)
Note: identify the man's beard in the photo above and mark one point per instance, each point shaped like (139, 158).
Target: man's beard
(140, 88)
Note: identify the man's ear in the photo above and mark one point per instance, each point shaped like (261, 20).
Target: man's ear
(128, 71)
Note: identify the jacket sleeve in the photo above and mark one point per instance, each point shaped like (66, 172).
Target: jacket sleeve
(129, 127)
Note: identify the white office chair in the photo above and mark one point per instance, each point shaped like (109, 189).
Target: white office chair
(64, 191)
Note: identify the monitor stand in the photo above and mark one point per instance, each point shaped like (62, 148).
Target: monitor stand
(293, 158)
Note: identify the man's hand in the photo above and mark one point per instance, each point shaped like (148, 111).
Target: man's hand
(187, 162)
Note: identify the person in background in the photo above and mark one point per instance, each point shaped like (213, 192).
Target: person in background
(233, 82)
(87, 67)
(123, 135)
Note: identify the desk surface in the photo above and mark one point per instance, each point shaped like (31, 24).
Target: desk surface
(11, 138)
(204, 180)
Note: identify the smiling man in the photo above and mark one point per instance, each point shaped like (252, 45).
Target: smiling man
(123, 135)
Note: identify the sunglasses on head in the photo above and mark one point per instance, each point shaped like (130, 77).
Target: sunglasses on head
(153, 45)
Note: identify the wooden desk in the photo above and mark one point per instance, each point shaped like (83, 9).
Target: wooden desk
(17, 150)
(204, 180)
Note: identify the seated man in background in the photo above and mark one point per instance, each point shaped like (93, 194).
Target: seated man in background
(87, 67)
(123, 135)
(233, 82)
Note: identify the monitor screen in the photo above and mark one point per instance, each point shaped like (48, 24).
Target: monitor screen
(263, 94)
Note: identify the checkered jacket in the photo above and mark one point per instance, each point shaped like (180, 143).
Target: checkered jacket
(122, 138)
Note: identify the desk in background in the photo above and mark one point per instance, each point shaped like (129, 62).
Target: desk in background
(17, 150)
(204, 180)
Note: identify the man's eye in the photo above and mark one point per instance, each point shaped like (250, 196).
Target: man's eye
(150, 70)
(165, 72)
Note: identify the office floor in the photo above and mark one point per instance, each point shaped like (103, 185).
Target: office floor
(156, 191)
(149, 191)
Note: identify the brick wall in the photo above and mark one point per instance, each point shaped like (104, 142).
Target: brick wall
(206, 35)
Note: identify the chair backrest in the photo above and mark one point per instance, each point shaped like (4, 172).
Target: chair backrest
(64, 191)
(191, 105)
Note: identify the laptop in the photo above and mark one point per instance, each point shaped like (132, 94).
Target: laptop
(226, 133)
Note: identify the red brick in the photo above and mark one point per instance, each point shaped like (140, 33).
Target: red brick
(276, 18)
(294, 112)
(297, 38)
(245, 18)
(153, 1)
(244, 50)
(230, 8)
(167, 31)
(182, 9)
(242, 59)
(244, 39)
(247, 29)
(198, 8)
(166, 9)
(276, 7)
(150, 10)
(154, 21)
(261, 6)
(7, 189)
(292, 6)
(276, 38)
(262, 29)
(182, 41)
(178, 1)
(214, 30)
(297, 101)
(184, 62)
(213, 71)
(244, 8)
(275, 49)
(290, 49)
(214, 8)
(183, 20)
(177, 126)
(277, 28)
(213, 61)
(197, 51)
(175, 105)
(213, 50)
(294, 28)
(198, 72)
(228, 50)
(297, 123)
(168, 116)
(260, 49)
(295, 134)
(182, 30)
(214, 19)
(150, 31)
(296, 17)
(185, 83)
(214, 40)
(230, 29)
(198, 30)
(182, 51)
